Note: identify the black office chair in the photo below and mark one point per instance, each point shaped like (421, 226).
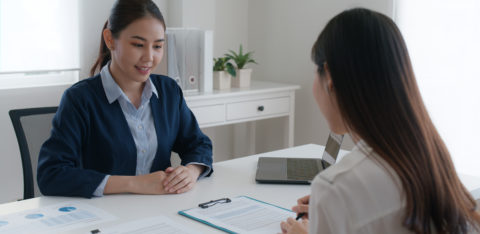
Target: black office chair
(32, 127)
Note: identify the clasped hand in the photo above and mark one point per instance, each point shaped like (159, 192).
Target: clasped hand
(173, 180)
(181, 179)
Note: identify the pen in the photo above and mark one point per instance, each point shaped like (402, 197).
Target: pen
(300, 215)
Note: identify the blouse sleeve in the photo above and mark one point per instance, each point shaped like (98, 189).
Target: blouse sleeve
(327, 211)
(191, 144)
(60, 171)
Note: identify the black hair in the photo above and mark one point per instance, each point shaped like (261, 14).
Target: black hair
(123, 13)
(379, 100)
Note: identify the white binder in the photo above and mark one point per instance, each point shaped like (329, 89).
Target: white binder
(188, 59)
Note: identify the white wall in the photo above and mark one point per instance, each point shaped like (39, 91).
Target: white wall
(93, 14)
(449, 80)
(227, 19)
(11, 175)
(282, 32)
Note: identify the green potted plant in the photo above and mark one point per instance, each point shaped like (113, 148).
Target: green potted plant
(243, 75)
(223, 71)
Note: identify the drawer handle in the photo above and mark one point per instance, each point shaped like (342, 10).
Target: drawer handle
(261, 108)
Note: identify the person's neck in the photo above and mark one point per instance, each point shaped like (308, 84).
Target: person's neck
(132, 89)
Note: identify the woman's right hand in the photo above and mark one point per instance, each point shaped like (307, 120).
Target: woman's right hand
(149, 183)
(302, 206)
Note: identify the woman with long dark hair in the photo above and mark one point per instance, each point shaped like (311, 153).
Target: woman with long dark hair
(399, 178)
(114, 132)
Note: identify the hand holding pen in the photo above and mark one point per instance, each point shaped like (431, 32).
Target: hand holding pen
(300, 215)
(295, 226)
(302, 207)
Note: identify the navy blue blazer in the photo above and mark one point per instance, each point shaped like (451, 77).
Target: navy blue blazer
(90, 138)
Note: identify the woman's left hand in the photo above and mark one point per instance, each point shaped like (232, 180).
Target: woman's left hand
(293, 226)
(182, 178)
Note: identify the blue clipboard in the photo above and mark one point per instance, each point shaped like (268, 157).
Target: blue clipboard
(220, 202)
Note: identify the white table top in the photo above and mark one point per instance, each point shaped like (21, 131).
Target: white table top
(230, 179)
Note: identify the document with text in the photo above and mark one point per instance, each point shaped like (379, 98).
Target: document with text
(57, 218)
(152, 225)
(241, 215)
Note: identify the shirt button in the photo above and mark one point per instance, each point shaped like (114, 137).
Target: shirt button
(140, 127)
(143, 151)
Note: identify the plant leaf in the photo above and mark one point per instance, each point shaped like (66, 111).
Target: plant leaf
(231, 69)
(233, 53)
(239, 58)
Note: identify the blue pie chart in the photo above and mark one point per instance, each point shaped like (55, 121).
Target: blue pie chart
(3, 223)
(33, 216)
(67, 209)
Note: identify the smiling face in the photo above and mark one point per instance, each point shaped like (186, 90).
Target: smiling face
(136, 52)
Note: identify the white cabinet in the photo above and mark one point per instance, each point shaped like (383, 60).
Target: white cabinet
(209, 114)
(262, 100)
(258, 108)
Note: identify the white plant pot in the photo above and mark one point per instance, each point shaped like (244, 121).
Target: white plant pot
(243, 78)
(221, 80)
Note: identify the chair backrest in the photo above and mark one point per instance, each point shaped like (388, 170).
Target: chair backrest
(32, 127)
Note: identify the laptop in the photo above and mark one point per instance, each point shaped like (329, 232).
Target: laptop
(297, 170)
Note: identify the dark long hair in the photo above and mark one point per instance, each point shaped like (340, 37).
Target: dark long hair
(378, 97)
(123, 13)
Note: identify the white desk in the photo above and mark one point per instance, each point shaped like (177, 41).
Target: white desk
(230, 179)
(262, 100)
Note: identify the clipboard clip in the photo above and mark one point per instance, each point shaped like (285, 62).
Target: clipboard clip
(213, 202)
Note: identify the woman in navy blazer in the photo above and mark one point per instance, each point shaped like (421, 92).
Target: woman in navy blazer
(114, 132)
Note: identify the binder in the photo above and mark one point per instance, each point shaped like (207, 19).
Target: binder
(189, 59)
(241, 214)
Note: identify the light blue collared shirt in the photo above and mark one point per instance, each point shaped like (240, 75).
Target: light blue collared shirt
(140, 122)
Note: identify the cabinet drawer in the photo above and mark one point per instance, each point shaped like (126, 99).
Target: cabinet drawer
(252, 109)
(209, 114)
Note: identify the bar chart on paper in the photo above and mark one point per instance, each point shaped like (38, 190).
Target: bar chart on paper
(55, 218)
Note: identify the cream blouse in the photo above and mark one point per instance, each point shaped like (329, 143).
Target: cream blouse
(357, 195)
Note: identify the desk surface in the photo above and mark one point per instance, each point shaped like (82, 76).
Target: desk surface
(231, 178)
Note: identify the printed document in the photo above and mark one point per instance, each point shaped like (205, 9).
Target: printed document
(60, 217)
(152, 225)
(242, 215)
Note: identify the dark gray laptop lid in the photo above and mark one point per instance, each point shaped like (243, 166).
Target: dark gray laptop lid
(274, 169)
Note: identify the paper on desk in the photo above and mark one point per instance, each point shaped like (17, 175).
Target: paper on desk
(242, 215)
(152, 225)
(60, 217)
